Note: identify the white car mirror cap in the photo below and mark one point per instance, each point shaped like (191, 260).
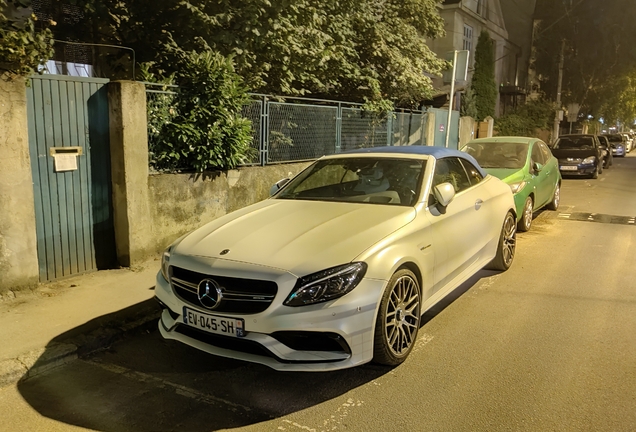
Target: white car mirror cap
(278, 186)
(444, 194)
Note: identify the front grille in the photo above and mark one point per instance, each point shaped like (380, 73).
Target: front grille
(245, 296)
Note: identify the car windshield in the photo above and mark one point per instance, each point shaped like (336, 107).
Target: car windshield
(586, 142)
(372, 180)
(614, 138)
(498, 154)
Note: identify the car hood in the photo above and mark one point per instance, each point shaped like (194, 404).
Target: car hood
(573, 153)
(508, 175)
(297, 236)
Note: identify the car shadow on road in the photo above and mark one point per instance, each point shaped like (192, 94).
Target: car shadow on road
(142, 382)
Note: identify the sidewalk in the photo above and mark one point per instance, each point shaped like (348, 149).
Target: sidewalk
(55, 323)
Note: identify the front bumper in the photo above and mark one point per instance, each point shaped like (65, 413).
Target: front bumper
(351, 317)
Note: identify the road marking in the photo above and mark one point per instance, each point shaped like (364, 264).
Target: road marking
(599, 218)
(329, 424)
(178, 388)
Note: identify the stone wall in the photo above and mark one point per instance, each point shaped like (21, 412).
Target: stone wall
(18, 251)
(180, 203)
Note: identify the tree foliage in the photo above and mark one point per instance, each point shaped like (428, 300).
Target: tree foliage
(201, 127)
(349, 49)
(483, 82)
(599, 51)
(22, 47)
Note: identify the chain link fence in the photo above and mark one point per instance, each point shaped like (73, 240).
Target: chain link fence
(300, 129)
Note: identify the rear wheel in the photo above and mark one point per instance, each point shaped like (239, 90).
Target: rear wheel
(554, 204)
(507, 245)
(398, 319)
(526, 217)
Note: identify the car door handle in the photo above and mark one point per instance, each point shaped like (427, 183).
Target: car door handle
(478, 204)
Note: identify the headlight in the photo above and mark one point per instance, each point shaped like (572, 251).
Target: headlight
(165, 262)
(517, 187)
(326, 285)
(590, 160)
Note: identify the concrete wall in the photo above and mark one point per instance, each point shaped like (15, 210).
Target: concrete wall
(18, 249)
(180, 203)
(129, 170)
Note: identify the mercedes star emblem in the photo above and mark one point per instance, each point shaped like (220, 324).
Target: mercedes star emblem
(209, 293)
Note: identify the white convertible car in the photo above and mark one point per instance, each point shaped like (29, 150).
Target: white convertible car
(338, 266)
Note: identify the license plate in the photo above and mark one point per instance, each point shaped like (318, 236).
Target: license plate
(213, 323)
(569, 168)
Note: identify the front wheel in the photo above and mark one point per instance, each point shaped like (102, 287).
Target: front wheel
(526, 217)
(507, 245)
(398, 319)
(595, 174)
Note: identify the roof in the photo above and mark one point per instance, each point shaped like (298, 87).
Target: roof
(436, 152)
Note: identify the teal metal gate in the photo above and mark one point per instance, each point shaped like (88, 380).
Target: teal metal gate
(70, 161)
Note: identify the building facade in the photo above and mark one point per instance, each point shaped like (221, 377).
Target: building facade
(465, 20)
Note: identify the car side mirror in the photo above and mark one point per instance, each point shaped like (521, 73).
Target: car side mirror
(537, 167)
(444, 194)
(278, 186)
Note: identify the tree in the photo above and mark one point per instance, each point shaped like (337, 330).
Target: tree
(483, 82)
(599, 51)
(350, 49)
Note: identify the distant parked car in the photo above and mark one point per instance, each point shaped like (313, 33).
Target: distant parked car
(630, 142)
(338, 266)
(608, 159)
(579, 155)
(618, 143)
(527, 165)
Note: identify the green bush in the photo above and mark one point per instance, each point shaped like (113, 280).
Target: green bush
(200, 128)
(526, 119)
(483, 83)
(22, 47)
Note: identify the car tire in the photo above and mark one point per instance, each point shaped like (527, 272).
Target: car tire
(556, 198)
(507, 245)
(595, 174)
(526, 216)
(600, 168)
(398, 319)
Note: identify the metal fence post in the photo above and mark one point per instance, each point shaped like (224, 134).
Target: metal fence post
(339, 128)
(389, 129)
(264, 144)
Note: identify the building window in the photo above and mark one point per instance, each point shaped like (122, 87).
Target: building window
(468, 38)
(480, 7)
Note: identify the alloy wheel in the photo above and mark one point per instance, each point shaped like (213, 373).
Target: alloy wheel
(509, 240)
(402, 318)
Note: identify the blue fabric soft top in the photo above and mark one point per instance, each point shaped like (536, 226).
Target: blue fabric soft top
(436, 152)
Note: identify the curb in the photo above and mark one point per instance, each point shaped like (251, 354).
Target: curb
(97, 337)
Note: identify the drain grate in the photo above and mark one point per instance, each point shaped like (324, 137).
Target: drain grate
(598, 218)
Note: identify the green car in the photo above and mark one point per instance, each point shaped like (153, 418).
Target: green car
(527, 165)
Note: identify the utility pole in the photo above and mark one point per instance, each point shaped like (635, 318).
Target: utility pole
(452, 96)
(557, 119)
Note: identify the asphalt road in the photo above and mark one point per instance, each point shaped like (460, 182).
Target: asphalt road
(548, 345)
